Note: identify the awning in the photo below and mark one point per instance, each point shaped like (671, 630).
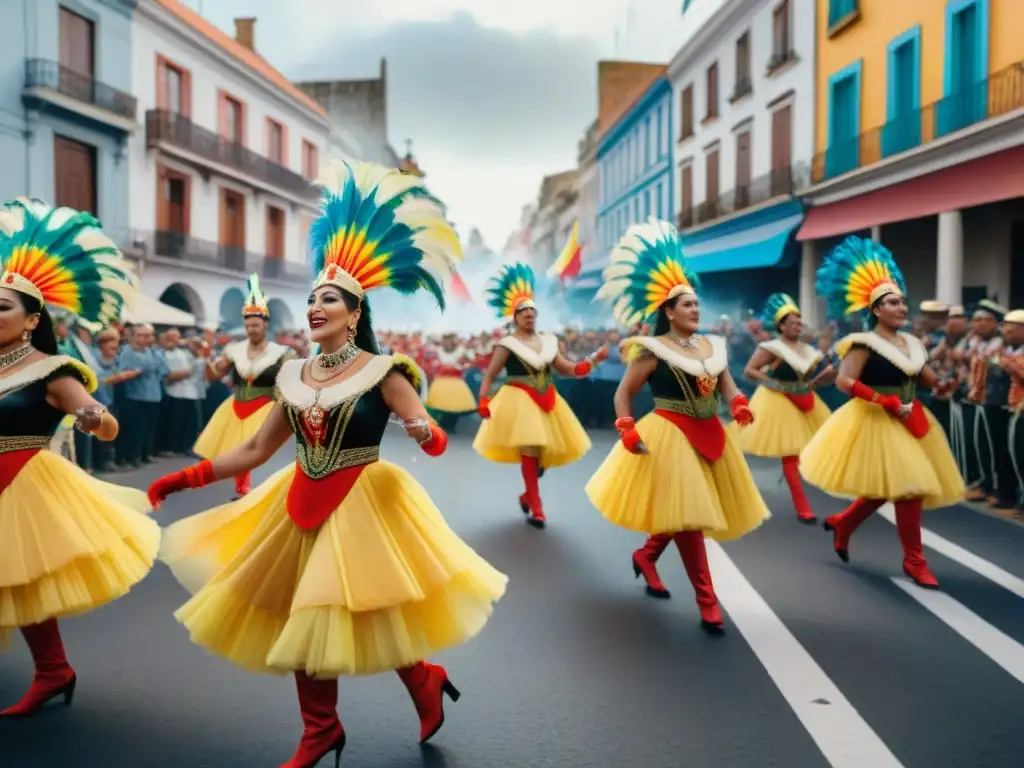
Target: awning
(988, 179)
(146, 309)
(750, 241)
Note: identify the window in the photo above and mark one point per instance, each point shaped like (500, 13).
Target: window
(966, 66)
(686, 113)
(275, 233)
(902, 128)
(174, 87)
(711, 176)
(782, 150)
(743, 84)
(310, 162)
(232, 119)
(74, 166)
(840, 10)
(275, 142)
(77, 36)
(173, 208)
(780, 32)
(742, 162)
(232, 229)
(843, 153)
(686, 189)
(712, 90)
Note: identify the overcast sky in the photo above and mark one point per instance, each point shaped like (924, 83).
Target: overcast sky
(495, 94)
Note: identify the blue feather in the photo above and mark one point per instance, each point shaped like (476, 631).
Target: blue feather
(833, 277)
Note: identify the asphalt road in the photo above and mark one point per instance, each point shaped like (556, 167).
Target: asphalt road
(822, 664)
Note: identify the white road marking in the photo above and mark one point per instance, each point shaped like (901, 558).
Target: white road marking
(998, 646)
(965, 557)
(843, 737)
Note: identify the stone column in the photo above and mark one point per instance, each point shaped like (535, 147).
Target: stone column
(949, 266)
(876, 233)
(808, 299)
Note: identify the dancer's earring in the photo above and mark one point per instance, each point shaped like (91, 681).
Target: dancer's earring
(26, 336)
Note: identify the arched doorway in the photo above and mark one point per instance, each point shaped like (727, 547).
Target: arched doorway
(281, 318)
(185, 298)
(231, 304)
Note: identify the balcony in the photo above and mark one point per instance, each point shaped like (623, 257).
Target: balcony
(782, 182)
(48, 82)
(178, 136)
(1000, 95)
(173, 247)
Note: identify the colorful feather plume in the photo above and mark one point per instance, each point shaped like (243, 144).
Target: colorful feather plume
(776, 308)
(856, 274)
(647, 269)
(256, 302)
(379, 227)
(61, 257)
(511, 289)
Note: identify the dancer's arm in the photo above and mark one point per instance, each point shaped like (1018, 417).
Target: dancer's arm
(69, 395)
(217, 369)
(637, 373)
(498, 359)
(581, 369)
(848, 381)
(761, 358)
(404, 401)
(927, 378)
(739, 407)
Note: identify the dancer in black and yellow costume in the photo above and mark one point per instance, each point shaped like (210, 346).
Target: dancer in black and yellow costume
(449, 396)
(883, 445)
(339, 564)
(68, 542)
(676, 474)
(253, 364)
(786, 409)
(527, 422)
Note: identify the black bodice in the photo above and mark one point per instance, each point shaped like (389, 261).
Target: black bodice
(784, 372)
(676, 390)
(879, 372)
(264, 379)
(518, 371)
(24, 412)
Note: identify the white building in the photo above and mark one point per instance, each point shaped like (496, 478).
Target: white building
(220, 178)
(743, 87)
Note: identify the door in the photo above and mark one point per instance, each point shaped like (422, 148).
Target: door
(967, 96)
(77, 56)
(275, 241)
(74, 166)
(782, 150)
(232, 229)
(902, 129)
(686, 197)
(843, 153)
(173, 214)
(742, 170)
(710, 207)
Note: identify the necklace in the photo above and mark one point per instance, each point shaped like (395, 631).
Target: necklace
(334, 363)
(690, 342)
(15, 356)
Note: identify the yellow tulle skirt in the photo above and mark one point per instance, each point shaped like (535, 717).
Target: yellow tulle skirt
(673, 488)
(450, 394)
(226, 431)
(518, 423)
(779, 428)
(68, 543)
(382, 584)
(862, 451)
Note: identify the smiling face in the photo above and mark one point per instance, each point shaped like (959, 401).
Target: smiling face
(791, 327)
(14, 320)
(329, 316)
(684, 315)
(526, 319)
(891, 311)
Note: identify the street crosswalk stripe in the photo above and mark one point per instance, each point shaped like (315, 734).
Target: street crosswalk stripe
(1001, 648)
(965, 557)
(843, 737)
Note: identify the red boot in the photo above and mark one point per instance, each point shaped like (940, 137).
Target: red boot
(695, 560)
(791, 471)
(54, 676)
(243, 484)
(322, 732)
(644, 563)
(846, 522)
(535, 509)
(908, 524)
(426, 683)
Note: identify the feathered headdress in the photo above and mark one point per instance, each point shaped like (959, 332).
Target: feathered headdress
(256, 304)
(776, 308)
(647, 269)
(512, 290)
(856, 274)
(61, 257)
(378, 228)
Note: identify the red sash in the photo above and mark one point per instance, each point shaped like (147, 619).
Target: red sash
(11, 463)
(311, 502)
(449, 370)
(545, 401)
(244, 410)
(805, 401)
(917, 423)
(707, 436)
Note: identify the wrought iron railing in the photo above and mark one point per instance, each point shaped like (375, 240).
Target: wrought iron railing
(179, 131)
(743, 86)
(43, 73)
(192, 250)
(1000, 94)
(777, 183)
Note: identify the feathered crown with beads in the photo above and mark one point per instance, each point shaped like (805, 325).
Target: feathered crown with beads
(380, 228)
(512, 290)
(62, 258)
(856, 274)
(256, 303)
(647, 269)
(776, 308)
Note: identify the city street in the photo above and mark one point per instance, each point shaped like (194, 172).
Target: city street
(822, 663)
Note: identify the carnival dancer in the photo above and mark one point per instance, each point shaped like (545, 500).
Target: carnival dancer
(676, 474)
(883, 445)
(68, 542)
(339, 564)
(449, 395)
(253, 364)
(527, 422)
(787, 410)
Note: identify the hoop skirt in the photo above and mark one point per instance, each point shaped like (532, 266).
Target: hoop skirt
(450, 394)
(780, 428)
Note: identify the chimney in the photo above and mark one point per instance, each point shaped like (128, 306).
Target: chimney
(245, 32)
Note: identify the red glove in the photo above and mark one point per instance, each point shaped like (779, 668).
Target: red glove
(740, 410)
(630, 437)
(437, 443)
(891, 403)
(196, 476)
(484, 409)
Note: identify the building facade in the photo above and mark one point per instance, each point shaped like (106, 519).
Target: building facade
(220, 178)
(743, 99)
(66, 109)
(920, 139)
(588, 193)
(552, 219)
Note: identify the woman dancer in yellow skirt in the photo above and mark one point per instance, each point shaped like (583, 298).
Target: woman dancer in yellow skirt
(68, 542)
(449, 395)
(787, 410)
(882, 445)
(527, 422)
(253, 364)
(676, 474)
(340, 564)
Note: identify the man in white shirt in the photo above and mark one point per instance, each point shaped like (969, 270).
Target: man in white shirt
(184, 391)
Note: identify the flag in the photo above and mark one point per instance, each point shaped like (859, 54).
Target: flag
(569, 263)
(459, 289)
(686, 5)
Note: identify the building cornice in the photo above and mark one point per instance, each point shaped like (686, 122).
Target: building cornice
(195, 38)
(124, 7)
(708, 36)
(659, 89)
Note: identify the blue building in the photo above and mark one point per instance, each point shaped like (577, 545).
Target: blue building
(634, 157)
(66, 109)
